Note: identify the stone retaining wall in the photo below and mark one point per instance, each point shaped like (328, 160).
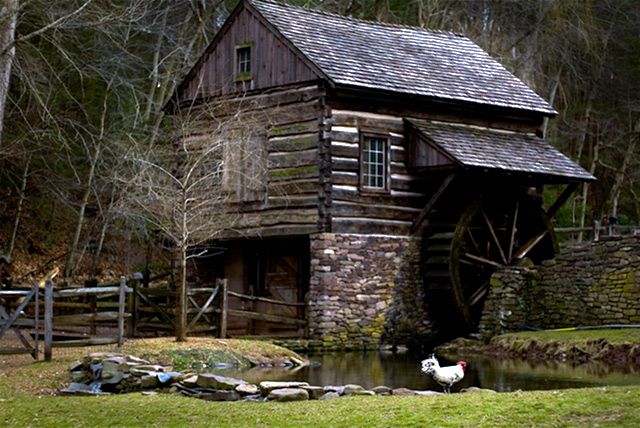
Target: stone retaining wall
(592, 284)
(365, 290)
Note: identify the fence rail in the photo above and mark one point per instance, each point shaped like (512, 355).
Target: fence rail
(141, 307)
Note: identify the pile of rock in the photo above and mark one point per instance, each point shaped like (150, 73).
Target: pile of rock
(113, 373)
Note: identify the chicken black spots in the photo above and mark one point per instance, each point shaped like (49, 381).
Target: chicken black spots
(445, 376)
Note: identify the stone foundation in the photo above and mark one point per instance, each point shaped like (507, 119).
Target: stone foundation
(364, 290)
(592, 284)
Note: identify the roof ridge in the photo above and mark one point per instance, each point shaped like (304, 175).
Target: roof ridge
(351, 18)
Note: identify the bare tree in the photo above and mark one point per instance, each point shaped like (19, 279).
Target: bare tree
(190, 189)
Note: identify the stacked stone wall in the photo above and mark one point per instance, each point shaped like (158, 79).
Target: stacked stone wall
(592, 284)
(364, 290)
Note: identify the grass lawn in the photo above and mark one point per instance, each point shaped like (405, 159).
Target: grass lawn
(26, 400)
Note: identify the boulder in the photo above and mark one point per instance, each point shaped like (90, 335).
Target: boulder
(403, 391)
(220, 395)
(382, 390)
(315, 392)
(288, 394)
(191, 381)
(364, 392)
(209, 380)
(352, 389)
(247, 389)
(329, 395)
(267, 386)
(112, 366)
(149, 381)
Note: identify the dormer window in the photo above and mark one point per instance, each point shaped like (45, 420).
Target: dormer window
(243, 62)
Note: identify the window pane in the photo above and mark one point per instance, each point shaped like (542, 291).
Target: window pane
(373, 162)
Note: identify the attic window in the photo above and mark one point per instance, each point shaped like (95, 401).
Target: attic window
(243, 62)
(373, 162)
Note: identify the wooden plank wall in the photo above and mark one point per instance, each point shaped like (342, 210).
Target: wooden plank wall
(291, 118)
(274, 63)
(353, 211)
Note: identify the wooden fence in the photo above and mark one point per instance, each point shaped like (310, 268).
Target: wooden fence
(150, 308)
(598, 231)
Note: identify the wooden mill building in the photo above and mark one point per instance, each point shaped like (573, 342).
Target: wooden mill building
(398, 168)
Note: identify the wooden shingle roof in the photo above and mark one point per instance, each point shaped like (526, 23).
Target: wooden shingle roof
(402, 59)
(472, 146)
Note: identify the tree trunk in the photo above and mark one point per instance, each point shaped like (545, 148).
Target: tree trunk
(18, 217)
(8, 22)
(616, 189)
(68, 267)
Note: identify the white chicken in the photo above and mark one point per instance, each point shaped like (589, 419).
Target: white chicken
(445, 376)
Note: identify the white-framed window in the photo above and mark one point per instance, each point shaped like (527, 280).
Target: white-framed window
(374, 163)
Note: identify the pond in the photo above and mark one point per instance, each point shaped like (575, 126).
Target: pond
(370, 369)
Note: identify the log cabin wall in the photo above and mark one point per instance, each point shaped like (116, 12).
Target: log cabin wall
(290, 121)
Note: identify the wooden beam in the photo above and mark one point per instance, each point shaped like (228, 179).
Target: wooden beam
(121, 310)
(266, 317)
(266, 300)
(48, 318)
(427, 209)
(551, 212)
(224, 307)
(203, 309)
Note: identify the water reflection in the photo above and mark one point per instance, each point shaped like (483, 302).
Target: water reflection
(371, 369)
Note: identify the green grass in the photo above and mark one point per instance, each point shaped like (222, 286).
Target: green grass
(26, 401)
(605, 407)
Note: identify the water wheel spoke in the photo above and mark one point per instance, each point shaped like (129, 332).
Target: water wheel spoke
(514, 229)
(483, 260)
(473, 241)
(480, 293)
(495, 237)
(530, 244)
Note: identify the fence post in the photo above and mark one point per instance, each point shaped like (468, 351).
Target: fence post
(121, 303)
(48, 318)
(224, 304)
(133, 324)
(36, 322)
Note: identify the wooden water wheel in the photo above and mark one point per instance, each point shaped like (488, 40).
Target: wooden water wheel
(464, 246)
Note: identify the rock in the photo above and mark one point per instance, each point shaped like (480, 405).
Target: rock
(427, 392)
(352, 389)
(315, 392)
(112, 366)
(329, 395)
(267, 386)
(382, 390)
(164, 378)
(149, 382)
(364, 392)
(476, 389)
(220, 395)
(191, 381)
(299, 362)
(254, 398)
(288, 394)
(403, 391)
(76, 366)
(247, 389)
(337, 389)
(79, 377)
(209, 380)
(149, 392)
